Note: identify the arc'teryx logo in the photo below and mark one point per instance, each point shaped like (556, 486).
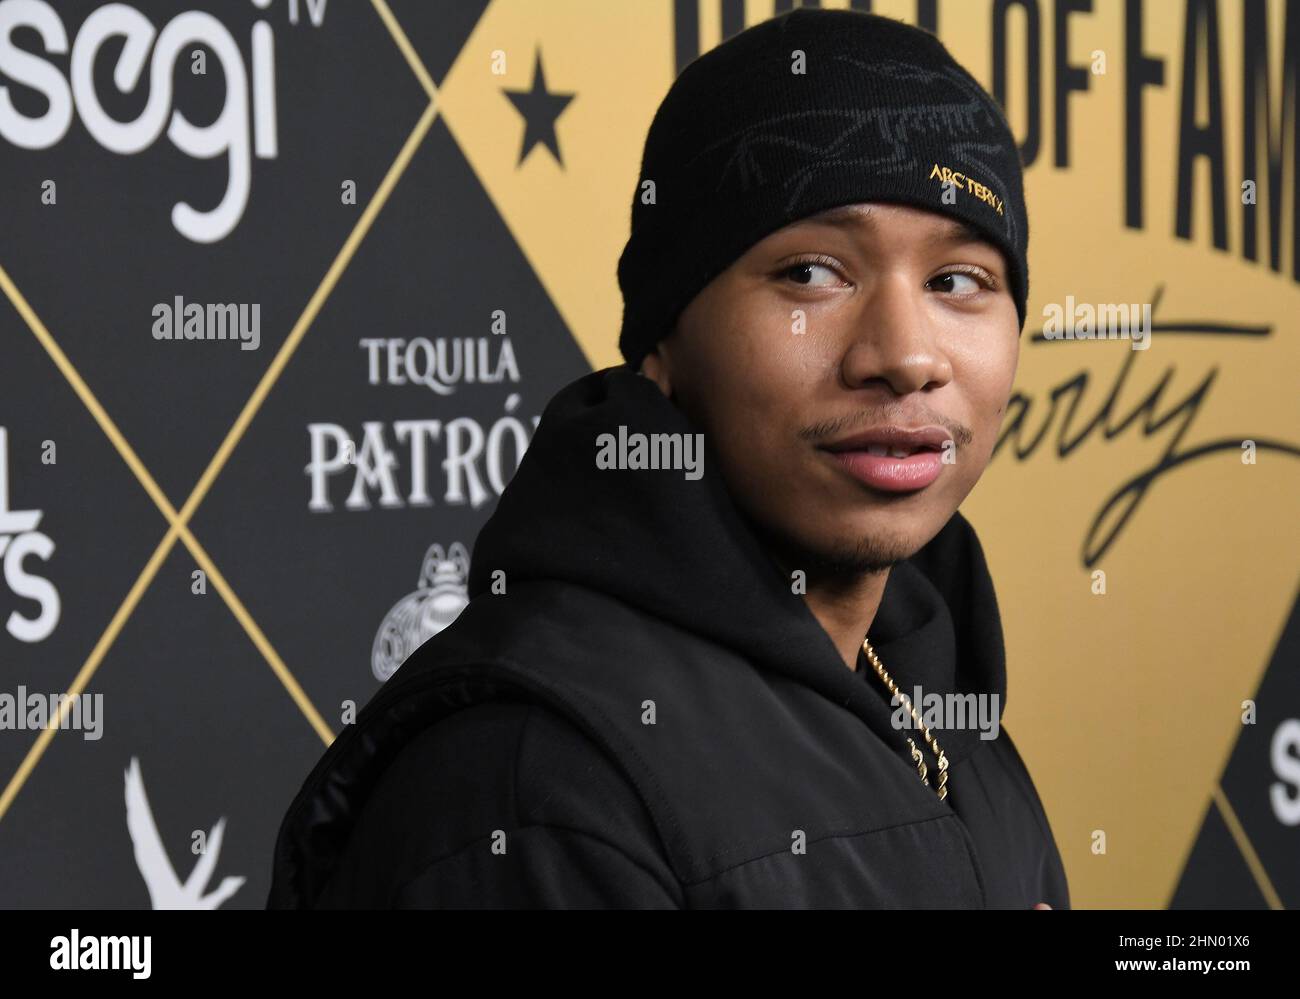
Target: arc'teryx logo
(947, 175)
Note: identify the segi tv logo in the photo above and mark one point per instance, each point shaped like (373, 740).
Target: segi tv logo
(18, 539)
(245, 127)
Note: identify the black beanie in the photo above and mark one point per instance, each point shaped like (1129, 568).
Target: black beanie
(742, 146)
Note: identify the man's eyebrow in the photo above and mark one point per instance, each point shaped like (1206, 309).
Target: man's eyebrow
(843, 216)
(955, 232)
(952, 231)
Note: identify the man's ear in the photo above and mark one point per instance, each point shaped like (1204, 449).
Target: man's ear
(655, 367)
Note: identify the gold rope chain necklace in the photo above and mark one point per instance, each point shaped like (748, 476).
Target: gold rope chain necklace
(931, 741)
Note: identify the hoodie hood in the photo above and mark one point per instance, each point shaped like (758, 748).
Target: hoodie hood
(680, 550)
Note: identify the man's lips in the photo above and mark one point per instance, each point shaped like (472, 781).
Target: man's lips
(890, 458)
(903, 438)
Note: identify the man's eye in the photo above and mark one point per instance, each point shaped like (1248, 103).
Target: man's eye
(805, 273)
(952, 283)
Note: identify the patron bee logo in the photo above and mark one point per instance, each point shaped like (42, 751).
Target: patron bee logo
(441, 596)
(228, 134)
(18, 539)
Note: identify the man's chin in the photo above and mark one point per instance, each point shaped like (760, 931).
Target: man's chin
(850, 554)
(865, 555)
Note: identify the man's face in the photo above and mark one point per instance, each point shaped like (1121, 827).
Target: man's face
(907, 322)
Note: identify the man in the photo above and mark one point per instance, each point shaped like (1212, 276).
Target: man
(675, 683)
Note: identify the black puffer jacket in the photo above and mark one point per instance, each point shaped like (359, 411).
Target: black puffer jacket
(648, 716)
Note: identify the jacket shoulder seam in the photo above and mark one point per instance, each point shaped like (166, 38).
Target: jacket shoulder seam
(673, 891)
(514, 766)
(1034, 802)
(580, 710)
(829, 836)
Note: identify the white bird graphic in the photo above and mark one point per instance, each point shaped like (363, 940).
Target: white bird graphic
(165, 889)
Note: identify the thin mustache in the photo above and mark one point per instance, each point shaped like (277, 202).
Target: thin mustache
(833, 429)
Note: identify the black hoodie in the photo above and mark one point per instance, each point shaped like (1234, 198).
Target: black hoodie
(636, 710)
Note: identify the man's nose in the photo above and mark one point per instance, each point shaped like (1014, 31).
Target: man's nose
(894, 339)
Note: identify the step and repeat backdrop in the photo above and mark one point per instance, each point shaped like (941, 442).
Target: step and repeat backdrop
(286, 285)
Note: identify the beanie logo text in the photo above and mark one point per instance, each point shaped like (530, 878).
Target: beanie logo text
(947, 175)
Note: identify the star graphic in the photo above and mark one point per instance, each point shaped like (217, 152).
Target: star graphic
(540, 109)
